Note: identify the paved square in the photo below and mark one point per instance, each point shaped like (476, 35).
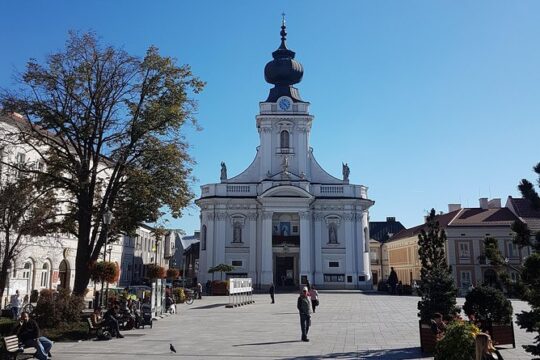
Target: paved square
(347, 325)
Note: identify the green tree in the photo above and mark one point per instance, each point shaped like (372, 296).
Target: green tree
(221, 268)
(109, 127)
(437, 286)
(27, 212)
(529, 279)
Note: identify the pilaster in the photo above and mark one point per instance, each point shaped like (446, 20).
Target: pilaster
(266, 263)
(306, 247)
(319, 278)
(350, 263)
(220, 234)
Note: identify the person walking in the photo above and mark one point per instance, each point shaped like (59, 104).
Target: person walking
(314, 295)
(29, 334)
(392, 281)
(199, 290)
(304, 309)
(16, 303)
(272, 292)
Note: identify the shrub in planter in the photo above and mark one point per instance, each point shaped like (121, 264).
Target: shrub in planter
(458, 342)
(489, 305)
(382, 286)
(407, 290)
(179, 295)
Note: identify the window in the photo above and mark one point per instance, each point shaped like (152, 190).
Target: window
(464, 250)
(237, 232)
(332, 234)
(512, 250)
(373, 255)
(26, 271)
(333, 264)
(237, 263)
(334, 278)
(45, 275)
(203, 237)
(295, 229)
(284, 139)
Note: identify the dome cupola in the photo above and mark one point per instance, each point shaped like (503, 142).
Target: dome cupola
(283, 71)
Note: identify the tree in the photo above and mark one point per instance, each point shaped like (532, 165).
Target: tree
(221, 268)
(529, 279)
(111, 124)
(27, 211)
(437, 286)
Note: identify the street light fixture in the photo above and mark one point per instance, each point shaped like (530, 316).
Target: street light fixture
(107, 219)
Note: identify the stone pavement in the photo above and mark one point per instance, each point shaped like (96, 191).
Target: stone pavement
(347, 325)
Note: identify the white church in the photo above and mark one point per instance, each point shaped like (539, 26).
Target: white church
(285, 220)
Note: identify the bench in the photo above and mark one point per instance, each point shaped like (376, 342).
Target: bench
(13, 350)
(93, 329)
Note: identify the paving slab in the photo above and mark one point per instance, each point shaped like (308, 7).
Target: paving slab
(347, 325)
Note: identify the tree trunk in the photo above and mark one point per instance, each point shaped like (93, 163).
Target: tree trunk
(3, 276)
(82, 272)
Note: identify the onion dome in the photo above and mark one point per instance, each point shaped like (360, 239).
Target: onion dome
(283, 71)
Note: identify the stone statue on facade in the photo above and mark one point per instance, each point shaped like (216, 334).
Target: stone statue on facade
(223, 176)
(346, 171)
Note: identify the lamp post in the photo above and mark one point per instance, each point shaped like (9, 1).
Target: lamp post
(107, 219)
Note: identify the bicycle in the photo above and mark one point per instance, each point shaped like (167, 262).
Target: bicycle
(190, 296)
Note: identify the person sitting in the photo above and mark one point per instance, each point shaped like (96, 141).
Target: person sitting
(111, 321)
(29, 334)
(485, 349)
(438, 327)
(97, 318)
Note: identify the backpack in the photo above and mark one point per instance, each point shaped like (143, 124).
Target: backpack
(104, 335)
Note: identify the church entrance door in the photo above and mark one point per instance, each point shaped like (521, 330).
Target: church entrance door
(284, 271)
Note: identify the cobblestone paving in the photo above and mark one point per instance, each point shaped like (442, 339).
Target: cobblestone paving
(347, 325)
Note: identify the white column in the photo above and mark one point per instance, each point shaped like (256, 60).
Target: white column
(219, 236)
(266, 261)
(302, 149)
(319, 278)
(305, 246)
(350, 258)
(363, 246)
(265, 132)
(252, 226)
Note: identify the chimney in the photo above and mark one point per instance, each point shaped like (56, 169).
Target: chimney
(390, 219)
(494, 204)
(454, 207)
(483, 203)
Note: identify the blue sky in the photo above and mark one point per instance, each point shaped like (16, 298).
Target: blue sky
(429, 102)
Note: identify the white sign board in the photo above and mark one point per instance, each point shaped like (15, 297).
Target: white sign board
(240, 285)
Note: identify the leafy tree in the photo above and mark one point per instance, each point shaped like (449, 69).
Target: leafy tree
(108, 126)
(27, 212)
(221, 268)
(437, 286)
(488, 305)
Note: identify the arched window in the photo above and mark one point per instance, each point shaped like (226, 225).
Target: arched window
(284, 139)
(203, 238)
(27, 270)
(44, 281)
(237, 232)
(332, 234)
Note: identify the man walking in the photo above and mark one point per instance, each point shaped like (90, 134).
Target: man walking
(272, 292)
(304, 308)
(392, 281)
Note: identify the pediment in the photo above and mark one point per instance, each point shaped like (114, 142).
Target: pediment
(288, 191)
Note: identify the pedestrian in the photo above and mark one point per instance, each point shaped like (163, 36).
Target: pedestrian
(208, 288)
(314, 295)
(304, 309)
(392, 281)
(16, 303)
(29, 334)
(199, 290)
(485, 349)
(272, 292)
(308, 285)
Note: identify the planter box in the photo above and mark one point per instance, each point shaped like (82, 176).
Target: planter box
(428, 339)
(503, 334)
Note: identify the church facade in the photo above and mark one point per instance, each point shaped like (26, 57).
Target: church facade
(285, 220)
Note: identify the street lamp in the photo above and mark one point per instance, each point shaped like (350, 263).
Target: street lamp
(107, 219)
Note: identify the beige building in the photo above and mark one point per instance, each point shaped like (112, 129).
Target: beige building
(380, 232)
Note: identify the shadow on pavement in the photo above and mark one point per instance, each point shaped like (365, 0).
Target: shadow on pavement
(389, 354)
(211, 306)
(268, 343)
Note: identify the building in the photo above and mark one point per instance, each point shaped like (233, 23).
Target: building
(381, 232)
(186, 256)
(466, 229)
(285, 219)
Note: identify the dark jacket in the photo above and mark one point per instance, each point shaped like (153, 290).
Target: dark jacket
(272, 290)
(28, 331)
(304, 305)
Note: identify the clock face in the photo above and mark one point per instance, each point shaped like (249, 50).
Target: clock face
(284, 104)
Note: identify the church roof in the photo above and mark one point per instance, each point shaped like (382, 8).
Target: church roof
(382, 230)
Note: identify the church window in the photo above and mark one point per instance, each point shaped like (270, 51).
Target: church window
(334, 278)
(203, 238)
(284, 139)
(332, 234)
(237, 263)
(333, 264)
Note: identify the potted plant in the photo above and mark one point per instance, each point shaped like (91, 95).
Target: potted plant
(493, 311)
(458, 342)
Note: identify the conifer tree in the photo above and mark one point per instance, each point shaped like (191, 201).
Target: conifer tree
(437, 286)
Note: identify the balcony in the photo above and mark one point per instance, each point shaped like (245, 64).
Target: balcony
(278, 240)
